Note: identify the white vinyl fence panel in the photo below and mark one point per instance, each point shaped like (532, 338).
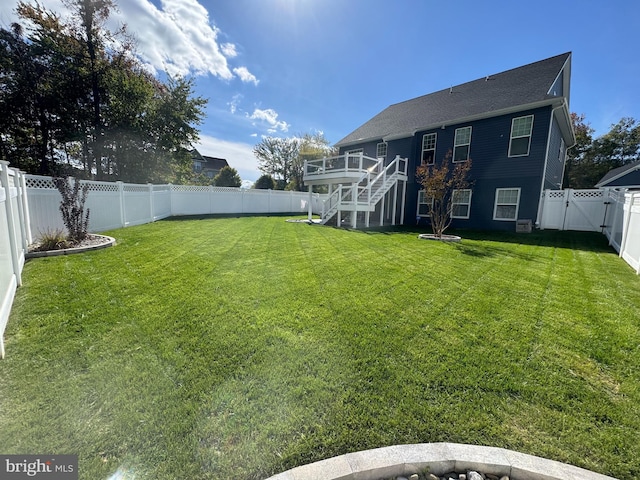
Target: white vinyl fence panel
(579, 210)
(115, 204)
(15, 237)
(615, 213)
(630, 248)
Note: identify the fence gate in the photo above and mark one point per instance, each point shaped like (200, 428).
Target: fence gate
(581, 210)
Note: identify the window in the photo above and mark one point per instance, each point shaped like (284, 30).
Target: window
(381, 150)
(197, 166)
(429, 148)
(507, 202)
(460, 203)
(423, 204)
(521, 128)
(461, 144)
(355, 151)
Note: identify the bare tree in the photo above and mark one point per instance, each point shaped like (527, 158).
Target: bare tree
(441, 184)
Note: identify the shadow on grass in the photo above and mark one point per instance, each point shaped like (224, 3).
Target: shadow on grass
(585, 241)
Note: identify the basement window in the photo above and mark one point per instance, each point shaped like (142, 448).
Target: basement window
(507, 203)
(461, 203)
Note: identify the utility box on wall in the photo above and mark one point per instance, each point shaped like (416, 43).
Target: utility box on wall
(523, 226)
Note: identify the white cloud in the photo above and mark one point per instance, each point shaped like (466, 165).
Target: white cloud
(270, 117)
(245, 75)
(229, 50)
(235, 101)
(177, 37)
(238, 155)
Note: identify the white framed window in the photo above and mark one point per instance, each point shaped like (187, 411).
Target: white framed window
(461, 144)
(355, 151)
(381, 150)
(461, 203)
(424, 203)
(507, 203)
(429, 148)
(520, 139)
(197, 166)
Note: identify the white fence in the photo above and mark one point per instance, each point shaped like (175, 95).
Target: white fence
(15, 237)
(116, 204)
(615, 213)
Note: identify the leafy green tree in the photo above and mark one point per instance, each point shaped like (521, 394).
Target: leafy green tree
(276, 157)
(312, 147)
(265, 182)
(73, 95)
(227, 177)
(283, 158)
(591, 158)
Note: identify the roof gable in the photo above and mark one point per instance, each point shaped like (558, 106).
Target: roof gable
(487, 96)
(215, 163)
(617, 173)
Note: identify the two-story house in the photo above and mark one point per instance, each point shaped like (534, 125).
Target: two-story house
(207, 166)
(515, 126)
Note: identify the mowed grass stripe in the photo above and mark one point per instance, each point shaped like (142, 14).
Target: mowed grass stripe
(224, 347)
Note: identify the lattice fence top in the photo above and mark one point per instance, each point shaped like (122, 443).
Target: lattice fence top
(587, 193)
(37, 181)
(101, 186)
(131, 187)
(226, 189)
(555, 194)
(190, 188)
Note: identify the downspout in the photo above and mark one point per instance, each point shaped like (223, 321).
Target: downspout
(544, 169)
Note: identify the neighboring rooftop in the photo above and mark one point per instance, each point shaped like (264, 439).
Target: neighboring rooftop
(535, 84)
(617, 173)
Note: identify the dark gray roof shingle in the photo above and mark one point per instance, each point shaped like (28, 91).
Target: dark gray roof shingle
(617, 173)
(519, 86)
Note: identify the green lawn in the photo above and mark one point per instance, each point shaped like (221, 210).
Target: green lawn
(240, 347)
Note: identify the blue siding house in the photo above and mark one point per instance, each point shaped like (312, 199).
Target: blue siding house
(515, 126)
(626, 176)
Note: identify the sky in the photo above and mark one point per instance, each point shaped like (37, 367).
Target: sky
(289, 67)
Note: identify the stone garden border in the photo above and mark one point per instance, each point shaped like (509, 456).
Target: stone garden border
(103, 242)
(437, 458)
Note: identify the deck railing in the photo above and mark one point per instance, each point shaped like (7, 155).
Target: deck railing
(347, 163)
(368, 190)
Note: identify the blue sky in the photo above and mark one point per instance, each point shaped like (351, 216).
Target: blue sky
(288, 67)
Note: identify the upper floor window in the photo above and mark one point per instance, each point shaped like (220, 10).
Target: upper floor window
(381, 150)
(197, 166)
(461, 203)
(521, 129)
(461, 144)
(507, 203)
(429, 148)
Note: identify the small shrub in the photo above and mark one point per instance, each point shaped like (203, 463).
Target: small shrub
(52, 240)
(74, 216)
